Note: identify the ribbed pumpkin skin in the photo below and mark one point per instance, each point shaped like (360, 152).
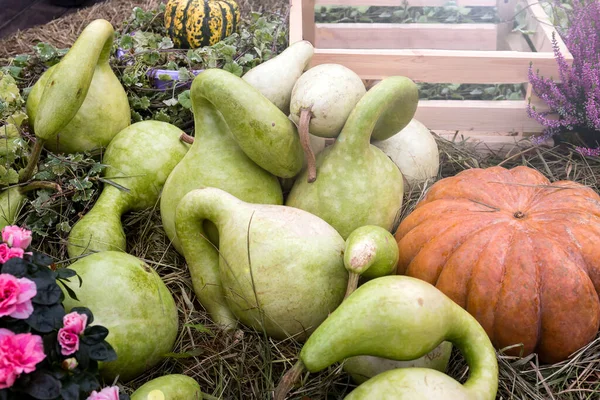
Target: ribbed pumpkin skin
(518, 253)
(198, 23)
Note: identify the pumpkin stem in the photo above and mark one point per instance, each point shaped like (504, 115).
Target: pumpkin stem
(186, 138)
(519, 215)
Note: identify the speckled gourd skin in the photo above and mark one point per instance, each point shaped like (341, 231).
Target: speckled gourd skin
(403, 318)
(11, 201)
(357, 184)
(129, 298)
(140, 158)
(261, 130)
(169, 387)
(214, 160)
(296, 258)
(79, 104)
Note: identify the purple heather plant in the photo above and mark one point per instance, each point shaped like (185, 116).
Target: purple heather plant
(576, 98)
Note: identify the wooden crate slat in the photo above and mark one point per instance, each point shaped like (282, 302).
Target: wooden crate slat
(476, 115)
(540, 23)
(406, 36)
(439, 66)
(411, 3)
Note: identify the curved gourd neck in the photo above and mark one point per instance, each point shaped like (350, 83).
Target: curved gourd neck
(67, 86)
(379, 102)
(113, 200)
(208, 121)
(207, 203)
(474, 344)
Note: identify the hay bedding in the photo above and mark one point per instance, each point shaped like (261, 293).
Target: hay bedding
(247, 365)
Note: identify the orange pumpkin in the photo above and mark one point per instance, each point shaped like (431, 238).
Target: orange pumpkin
(520, 254)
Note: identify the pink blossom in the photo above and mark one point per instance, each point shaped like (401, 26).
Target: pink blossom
(6, 253)
(7, 376)
(75, 322)
(19, 353)
(69, 363)
(69, 341)
(108, 393)
(15, 296)
(15, 236)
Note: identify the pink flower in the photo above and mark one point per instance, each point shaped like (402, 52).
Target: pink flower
(7, 376)
(69, 341)
(19, 353)
(6, 253)
(75, 322)
(108, 393)
(15, 296)
(15, 236)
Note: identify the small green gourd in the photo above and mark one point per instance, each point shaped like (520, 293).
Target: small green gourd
(357, 183)
(139, 159)
(401, 318)
(78, 104)
(169, 387)
(372, 252)
(13, 198)
(278, 269)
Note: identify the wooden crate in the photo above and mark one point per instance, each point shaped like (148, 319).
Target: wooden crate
(482, 53)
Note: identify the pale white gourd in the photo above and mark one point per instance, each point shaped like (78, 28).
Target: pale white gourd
(415, 151)
(275, 78)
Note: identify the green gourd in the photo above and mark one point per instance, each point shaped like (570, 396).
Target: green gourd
(278, 269)
(215, 160)
(401, 318)
(79, 104)
(262, 131)
(169, 387)
(139, 159)
(129, 298)
(372, 252)
(357, 183)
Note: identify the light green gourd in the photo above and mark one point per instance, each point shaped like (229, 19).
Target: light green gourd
(278, 269)
(129, 298)
(215, 160)
(357, 184)
(262, 131)
(401, 318)
(140, 159)
(169, 387)
(11, 203)
(372, 252)
(79, 104)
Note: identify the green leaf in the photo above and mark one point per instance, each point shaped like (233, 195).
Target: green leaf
(234, 68)
(184, 99)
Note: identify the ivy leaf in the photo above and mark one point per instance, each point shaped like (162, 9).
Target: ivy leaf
(170, 102)
(184, 99)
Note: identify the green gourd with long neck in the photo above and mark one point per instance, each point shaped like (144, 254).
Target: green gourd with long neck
(215, 160)
(139, 158)
(401, 318)
(372, 252)
(357, 184)
(277, 269)
(79, 104)
(259, 127)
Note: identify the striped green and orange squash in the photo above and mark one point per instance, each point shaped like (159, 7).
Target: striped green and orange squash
(198, 23)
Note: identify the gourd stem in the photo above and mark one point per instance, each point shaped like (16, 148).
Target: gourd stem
(26, 173)
(303, 131)
(37, 185)
(186, 138)
(352, 284)
(288, 380)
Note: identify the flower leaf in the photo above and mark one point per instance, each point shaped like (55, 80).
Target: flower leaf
(94, 334)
